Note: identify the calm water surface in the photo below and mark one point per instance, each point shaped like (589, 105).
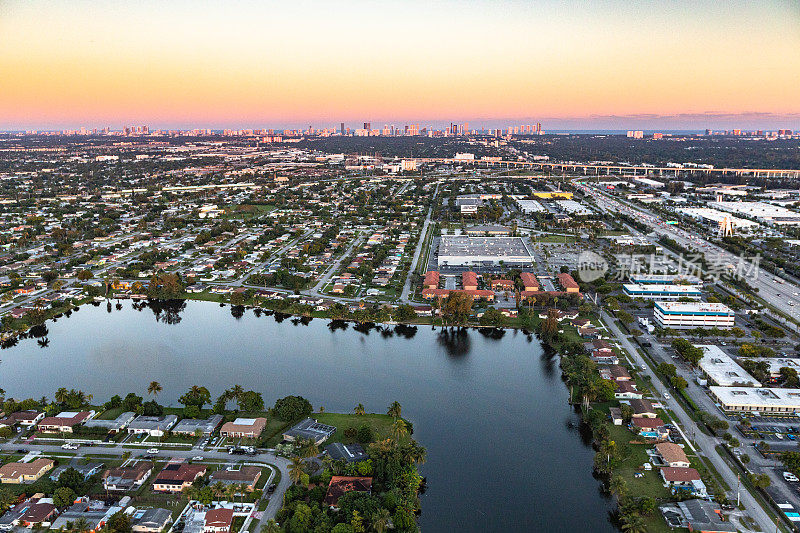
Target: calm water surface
(503, 450)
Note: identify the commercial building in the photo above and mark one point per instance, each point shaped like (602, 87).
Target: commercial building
(530, 206)
(431, 280)
(718, 217)
(573, 208)
(469, 280)
(529, 282)
(460, 252)
(690, 315)
(664, 279)
(758, 400)
(761, 211)
(661, 292)
(776, 363)
(722, 370)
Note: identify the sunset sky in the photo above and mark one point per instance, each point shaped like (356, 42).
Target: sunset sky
(592, 64)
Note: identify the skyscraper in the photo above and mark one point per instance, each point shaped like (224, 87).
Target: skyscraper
(341, 128)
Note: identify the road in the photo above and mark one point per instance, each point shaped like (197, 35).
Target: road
(705, 443)
(265, 458)
(334, 267)
(418, 250)
(775, 290)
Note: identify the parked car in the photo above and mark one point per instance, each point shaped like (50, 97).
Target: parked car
(197, 458)
(271, 488)
(788, 476)
(153, 451)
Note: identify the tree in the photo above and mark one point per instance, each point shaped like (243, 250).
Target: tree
(457, 307)
(492, 317)
(395, 410)
(154, 388)
(119, 522)
(71, 479)
(633, 523)
(549, 327)
(359, 409)
(380, 520)
(80, 525)
(250, 402)
(270, 527)
(399, 429)
(296, 470)
(759, 481)
(63, 496)
(85, 275)
(197, 396)
(292, 408)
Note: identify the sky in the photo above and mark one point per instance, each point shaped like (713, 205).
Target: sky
(250, 64)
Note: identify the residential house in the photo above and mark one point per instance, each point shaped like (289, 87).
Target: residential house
(309, 429)
(696, 515)
(112, 426)
(17, 473)
(218, 521)
(155, 426)
(643, 409)
(626, 390)
(35, 510)
(64, 422)
(680, 477)
(95, 513)
(340, 485)
(350, 453)
(23, 418)
(672, 455)
(191, 426)
(649, 428)
(126, 478)
(244, 428)
(177, 475)
(86, 470)
(237, 475)
(153, 520)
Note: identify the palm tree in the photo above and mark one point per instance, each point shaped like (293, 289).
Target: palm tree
(236, 392)
(380, 520)
(296, 470)
(219, 489)
(414, 452)
(80, 525)
(270, 527)
(395, 410)
(359, 410)
(617, 486)
(633, 523)
(230, 492)
(61, 396)
(399, 429)
(308, 448)
(154, 388)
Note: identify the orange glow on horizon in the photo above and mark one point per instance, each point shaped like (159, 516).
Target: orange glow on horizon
(81, 62)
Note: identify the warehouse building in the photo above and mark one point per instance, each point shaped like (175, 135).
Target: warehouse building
(757, 400)
(722, 370)
(459, 252)
(664, 279)
(689, 315)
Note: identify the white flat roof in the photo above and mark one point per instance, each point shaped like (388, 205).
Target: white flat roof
(654, 288)
(694, 308)
(244, 421)
(722, 369)
(757, 397)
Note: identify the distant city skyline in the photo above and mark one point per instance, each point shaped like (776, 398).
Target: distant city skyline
(569, 65)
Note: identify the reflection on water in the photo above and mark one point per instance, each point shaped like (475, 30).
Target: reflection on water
(505, 450)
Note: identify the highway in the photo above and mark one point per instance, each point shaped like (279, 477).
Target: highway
(778, 292)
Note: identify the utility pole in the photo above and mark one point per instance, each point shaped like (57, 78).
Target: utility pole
(737, 490)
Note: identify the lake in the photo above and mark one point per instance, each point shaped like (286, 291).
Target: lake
(504, 449)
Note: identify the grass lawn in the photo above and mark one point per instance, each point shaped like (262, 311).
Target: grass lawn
(381, 424)
(110, 414)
